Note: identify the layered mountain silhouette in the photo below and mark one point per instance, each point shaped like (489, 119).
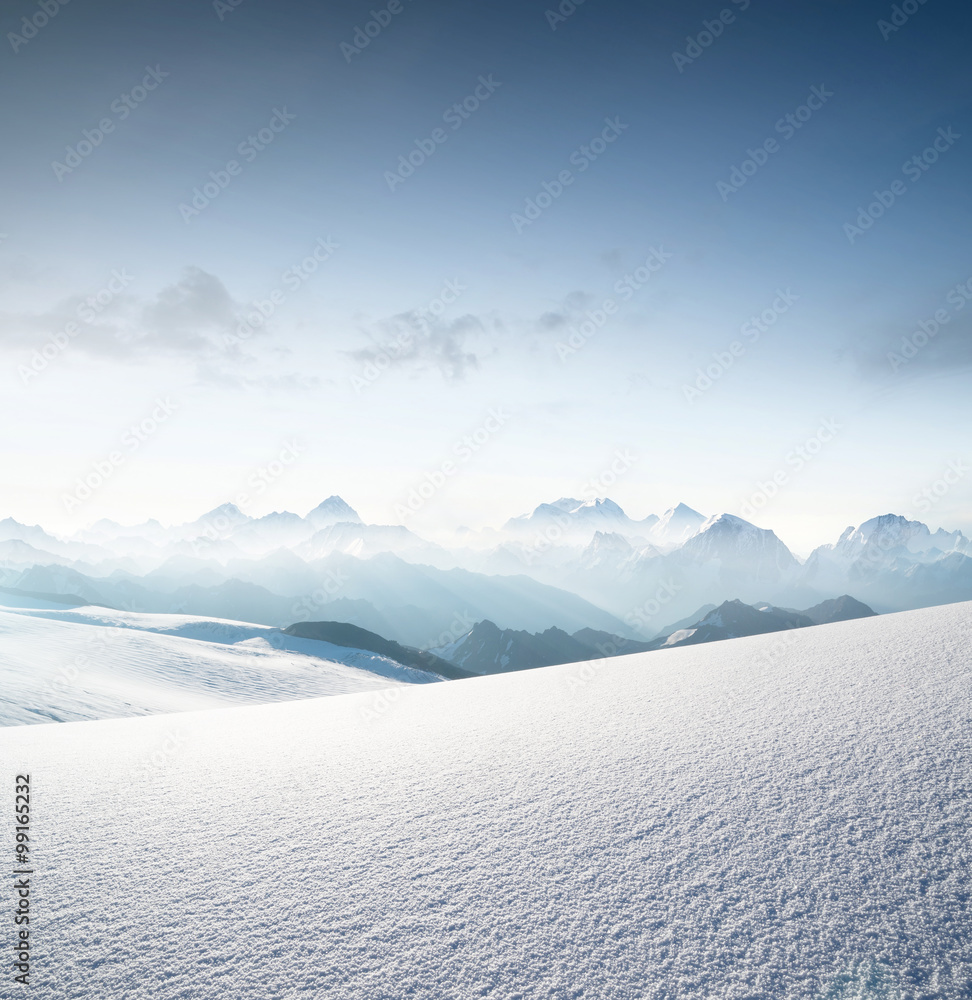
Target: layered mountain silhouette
(487, 649)
(352, 637)
(571, 565)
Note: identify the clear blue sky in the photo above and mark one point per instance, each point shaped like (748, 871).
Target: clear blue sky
(463, 294)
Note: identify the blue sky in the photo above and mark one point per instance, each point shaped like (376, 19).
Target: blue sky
(435, 304)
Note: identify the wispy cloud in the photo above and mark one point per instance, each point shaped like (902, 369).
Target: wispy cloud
(194, 321)
(416, 342)
(188, 319)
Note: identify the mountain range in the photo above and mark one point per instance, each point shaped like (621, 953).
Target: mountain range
(487, 649)
(570, 565)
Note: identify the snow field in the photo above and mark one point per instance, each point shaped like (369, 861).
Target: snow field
(767, 817)
(60, 665)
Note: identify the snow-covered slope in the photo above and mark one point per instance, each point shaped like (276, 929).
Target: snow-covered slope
(59, 665)
(768, 817)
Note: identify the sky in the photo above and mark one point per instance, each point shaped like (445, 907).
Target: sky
(451, 261)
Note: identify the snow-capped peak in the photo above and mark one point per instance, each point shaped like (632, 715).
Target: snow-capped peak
(227, 510)
(333, 510)
(756, 552)
(893, 532)
(603, 506)
(676, 525)
(728, 522)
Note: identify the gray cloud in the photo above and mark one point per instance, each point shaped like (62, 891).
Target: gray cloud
(187, 319)
(571, 311)
(193, 322)
(552, 321)
(190, 317)
(419, 342)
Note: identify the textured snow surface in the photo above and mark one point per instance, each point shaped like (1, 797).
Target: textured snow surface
(59, 665)
(778, 816)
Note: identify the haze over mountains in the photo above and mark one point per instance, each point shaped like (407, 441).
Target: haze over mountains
(569, 564)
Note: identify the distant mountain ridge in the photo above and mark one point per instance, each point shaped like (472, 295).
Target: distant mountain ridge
(486, 649)
(353, 637)
(838, 609)
(571, 564)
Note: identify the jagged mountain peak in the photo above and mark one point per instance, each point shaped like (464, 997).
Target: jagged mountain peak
(605, 504)
(609, 541)
(332, 511)
(886, 531)
(595, 505)
(228, 510)
(683, 510)
(728, 522)
(577, 518)
(677, 525)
